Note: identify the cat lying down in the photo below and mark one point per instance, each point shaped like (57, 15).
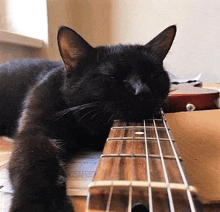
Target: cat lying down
(53, 108)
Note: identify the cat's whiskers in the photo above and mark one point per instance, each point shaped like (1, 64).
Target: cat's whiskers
(111, 118)
(88, 113)
(77, 109)
(93, 109)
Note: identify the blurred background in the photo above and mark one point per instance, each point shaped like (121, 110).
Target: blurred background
(28, 28)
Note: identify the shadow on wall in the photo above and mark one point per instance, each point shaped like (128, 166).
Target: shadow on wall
(93, 20)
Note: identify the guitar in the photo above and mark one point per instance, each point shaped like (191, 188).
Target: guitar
(140, 168)
(190, 96)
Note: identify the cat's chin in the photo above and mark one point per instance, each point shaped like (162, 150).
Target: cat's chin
(97, 127)
(138, 117)
(101, 122)
(139, 112)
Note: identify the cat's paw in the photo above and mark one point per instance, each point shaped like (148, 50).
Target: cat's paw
(46, 206)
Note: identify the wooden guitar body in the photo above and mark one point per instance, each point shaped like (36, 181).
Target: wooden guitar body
(140, 169)
(189, 96)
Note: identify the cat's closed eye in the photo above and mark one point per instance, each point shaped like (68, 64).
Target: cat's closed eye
(154, 75)
(112, 77)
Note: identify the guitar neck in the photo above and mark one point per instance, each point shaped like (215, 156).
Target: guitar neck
(141, 168)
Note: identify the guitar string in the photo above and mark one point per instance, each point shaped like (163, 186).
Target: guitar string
(148, 170)
(132, 167)
(189, 195)
(164, 168)
(109, 197)
(111, 191)
(112, 186)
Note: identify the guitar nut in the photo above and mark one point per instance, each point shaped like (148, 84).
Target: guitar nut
(190, 107)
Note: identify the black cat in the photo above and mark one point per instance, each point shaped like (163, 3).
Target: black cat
(61, 107)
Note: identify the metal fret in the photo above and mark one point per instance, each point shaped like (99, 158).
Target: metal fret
(139, 155)
(137, 138)
(143, 184)
(138, 127)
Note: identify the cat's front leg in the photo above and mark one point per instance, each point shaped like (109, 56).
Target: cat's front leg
(37, 175)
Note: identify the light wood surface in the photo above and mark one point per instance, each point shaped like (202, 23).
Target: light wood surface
(198, 138)
(197, 135)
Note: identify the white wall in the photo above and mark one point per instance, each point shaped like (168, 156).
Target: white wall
(90, 18)
(196, 48)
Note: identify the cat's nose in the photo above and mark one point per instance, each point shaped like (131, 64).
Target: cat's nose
(141, 90)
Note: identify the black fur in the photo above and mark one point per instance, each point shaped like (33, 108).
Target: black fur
(52, 109)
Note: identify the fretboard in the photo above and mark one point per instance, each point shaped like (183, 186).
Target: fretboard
(141, 167)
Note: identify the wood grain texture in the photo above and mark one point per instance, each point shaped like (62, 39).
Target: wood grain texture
(197, 135)
(199, 146)
(139, 167)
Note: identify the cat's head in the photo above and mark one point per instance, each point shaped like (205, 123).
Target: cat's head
(114, 82)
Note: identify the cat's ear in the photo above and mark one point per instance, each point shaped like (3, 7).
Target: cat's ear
(72, 47)
(160, 45)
